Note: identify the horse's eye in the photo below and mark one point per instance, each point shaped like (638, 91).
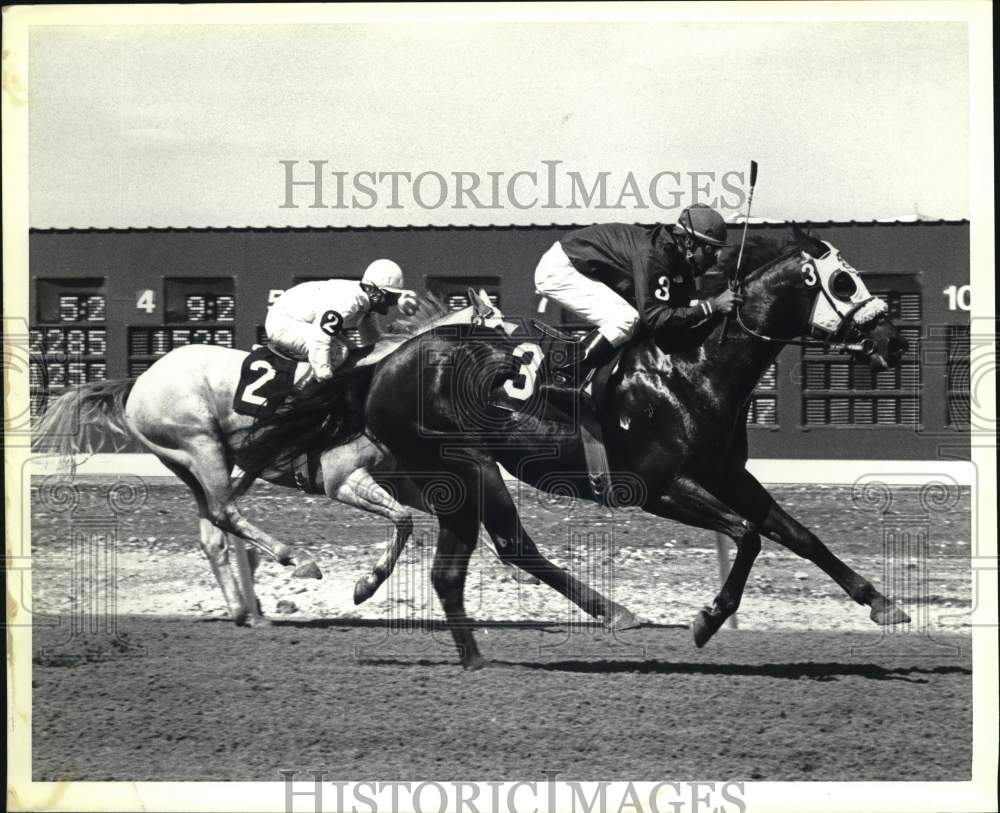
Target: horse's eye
(843, 285)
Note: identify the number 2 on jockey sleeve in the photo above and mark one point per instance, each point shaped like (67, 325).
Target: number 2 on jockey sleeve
(331, 323)
(531, 359)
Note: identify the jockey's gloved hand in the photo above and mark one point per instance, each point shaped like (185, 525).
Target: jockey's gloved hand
(725, 302)
(407, 303)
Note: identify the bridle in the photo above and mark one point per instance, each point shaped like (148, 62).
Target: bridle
(833, 341)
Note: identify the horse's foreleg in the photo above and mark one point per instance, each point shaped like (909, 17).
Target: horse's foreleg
(775, 523)
(457, 538)
(688, 502)
(515, 547)
(360, 490)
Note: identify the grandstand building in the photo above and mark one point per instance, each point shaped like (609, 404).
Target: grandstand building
(106, 303)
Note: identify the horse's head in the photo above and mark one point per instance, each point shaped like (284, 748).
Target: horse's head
(831, 303)
(432, 312)
(486, 314)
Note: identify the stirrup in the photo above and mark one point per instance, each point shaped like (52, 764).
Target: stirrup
(571, 384)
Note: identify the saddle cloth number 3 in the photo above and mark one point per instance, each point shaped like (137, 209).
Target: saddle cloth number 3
(523, 385)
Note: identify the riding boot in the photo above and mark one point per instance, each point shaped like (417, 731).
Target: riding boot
(594, 350)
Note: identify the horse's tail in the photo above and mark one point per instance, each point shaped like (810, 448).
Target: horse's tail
(82, 419)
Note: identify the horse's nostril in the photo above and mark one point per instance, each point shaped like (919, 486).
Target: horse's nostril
(898, 346)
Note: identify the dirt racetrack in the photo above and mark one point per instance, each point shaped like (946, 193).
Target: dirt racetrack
(806, 689)
(186, 699)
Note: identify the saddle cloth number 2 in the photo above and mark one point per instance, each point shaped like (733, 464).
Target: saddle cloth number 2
(523, 386)
(268, 372)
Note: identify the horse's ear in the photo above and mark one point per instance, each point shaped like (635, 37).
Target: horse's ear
(487, 304)
(807, 242)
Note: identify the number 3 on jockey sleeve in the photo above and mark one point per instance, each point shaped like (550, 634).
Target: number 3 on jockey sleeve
(331, 323)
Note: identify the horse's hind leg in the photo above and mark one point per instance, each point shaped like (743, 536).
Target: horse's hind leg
(748, 495)
(688, 502)
(518, 575)
(235, 522)
(247, 561)
(203, 456)
(515, 547)
(209, 465)
(360, 490)
(457, 537)
(240, 597)
(214, 544)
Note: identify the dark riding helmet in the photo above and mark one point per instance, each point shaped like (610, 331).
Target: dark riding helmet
(703, 224)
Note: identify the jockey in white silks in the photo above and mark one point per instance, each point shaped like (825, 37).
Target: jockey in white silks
(309, 320)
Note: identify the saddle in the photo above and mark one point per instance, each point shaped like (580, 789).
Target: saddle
(266, 379)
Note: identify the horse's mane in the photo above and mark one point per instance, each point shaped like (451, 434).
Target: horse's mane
(762, 253)
(429, 309)
(322, 414)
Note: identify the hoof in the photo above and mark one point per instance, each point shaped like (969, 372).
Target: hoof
(622, 619)
(365, 588)
(524, 578)
(259, 621)
(308, 570)
(705, 625)
(474, 664)
(889, 614)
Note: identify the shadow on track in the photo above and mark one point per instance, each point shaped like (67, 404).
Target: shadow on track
(421, 625)
(791, 671)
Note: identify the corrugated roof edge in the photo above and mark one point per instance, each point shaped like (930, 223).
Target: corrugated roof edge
(532, 226)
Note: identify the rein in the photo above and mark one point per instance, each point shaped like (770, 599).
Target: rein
(846, 322)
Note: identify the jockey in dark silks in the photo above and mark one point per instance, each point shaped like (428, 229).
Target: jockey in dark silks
(619, 277)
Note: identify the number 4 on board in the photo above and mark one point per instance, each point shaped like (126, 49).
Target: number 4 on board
(146, 301)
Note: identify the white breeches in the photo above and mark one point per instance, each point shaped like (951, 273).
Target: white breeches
(556, 278)
(306, 340)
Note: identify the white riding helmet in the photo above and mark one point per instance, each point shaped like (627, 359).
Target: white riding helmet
(384, 274)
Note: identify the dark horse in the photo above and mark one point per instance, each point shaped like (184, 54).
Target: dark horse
(673, 422)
